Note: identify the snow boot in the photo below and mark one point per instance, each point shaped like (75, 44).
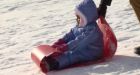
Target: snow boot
(49, 64)
(137, 50)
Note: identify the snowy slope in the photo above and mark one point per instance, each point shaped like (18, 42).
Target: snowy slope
(25, 24)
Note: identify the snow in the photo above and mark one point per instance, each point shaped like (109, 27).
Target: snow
(25, 24)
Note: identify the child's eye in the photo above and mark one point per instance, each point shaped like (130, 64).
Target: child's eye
(77, 16)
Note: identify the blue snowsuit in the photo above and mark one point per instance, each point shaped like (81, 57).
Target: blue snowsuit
(84, 43)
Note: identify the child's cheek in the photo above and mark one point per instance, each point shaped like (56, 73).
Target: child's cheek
(78, 21)
(81, 23)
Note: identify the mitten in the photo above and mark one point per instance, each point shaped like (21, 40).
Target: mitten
(59, 42)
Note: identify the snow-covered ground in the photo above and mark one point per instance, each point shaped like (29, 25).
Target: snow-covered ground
(25, 24)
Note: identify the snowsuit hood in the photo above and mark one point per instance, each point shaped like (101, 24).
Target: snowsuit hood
(87, 11)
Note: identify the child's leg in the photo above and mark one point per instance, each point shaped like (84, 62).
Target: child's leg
(76, 56)
(136, 5)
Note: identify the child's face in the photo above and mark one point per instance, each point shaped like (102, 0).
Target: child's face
(78, 19)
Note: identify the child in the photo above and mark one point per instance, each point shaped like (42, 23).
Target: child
(83, 43)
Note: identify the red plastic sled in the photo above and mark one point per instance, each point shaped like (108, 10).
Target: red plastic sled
(110, 46)
(110, 41)
(39, 54)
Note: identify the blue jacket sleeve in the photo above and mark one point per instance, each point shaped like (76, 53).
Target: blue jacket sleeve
(69, 36)
(84, 39)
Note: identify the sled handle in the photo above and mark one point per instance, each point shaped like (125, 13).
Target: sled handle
(103, 7)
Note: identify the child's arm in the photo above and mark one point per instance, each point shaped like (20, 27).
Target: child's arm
(85, 38)
(61, 44)
(67, 37)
